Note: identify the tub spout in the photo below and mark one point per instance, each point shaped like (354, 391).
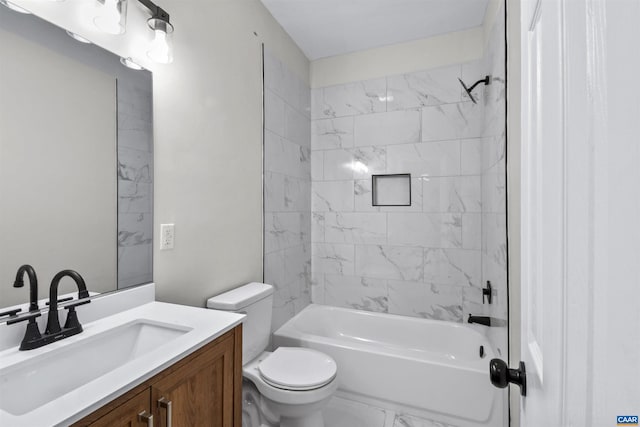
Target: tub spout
(486, 320)
(481, 320)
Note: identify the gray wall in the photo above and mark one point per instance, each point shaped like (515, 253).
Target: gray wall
(208, 146)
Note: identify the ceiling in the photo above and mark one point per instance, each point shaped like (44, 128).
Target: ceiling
(334, 27)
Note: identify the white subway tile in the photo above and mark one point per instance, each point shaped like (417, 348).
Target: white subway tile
(396, 127)
(452, 121)
(389, 262)
(329, 134)
(425, 159)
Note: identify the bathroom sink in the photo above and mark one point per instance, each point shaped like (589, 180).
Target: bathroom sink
(72, 365)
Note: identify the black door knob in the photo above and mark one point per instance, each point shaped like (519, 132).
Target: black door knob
(501, 375)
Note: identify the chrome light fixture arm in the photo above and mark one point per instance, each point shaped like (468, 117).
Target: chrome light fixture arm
(156, 11)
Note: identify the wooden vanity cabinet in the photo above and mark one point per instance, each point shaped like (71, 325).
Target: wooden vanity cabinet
(126, 414)
(203, 389)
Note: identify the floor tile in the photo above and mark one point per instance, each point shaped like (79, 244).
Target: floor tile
(348, 413)
(402, 420)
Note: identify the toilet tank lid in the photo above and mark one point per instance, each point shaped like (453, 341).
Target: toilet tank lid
(240, 297)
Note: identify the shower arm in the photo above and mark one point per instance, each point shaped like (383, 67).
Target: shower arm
(486, 81)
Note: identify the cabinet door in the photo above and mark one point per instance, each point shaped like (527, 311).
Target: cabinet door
(126, 415)
(199, 392)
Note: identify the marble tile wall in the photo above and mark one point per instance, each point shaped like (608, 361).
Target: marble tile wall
(135, 182)
(417, 260)
(432, 258)
(287, 189)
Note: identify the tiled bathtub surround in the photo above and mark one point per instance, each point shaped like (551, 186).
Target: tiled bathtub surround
(287, 189)
(415, 260)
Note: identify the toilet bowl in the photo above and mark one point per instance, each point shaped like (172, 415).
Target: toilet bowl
(294, 384)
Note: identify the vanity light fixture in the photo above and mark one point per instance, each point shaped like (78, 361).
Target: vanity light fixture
(161, 50)
(78, 37)
(14, 7)
(112, 16)
(130, 63)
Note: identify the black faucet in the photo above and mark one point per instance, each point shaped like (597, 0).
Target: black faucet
(486, 320)
(33, 284)
(53, 323)
(32, 337)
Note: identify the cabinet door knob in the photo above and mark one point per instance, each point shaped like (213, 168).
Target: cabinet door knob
(146, 417)
(166, 404)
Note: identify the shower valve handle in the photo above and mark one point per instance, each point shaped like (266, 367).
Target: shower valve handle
(487, 292)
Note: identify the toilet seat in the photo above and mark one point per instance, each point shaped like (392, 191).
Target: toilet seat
(297, 369)
(251, 372)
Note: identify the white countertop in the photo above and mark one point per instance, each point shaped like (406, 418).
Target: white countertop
(205, 325)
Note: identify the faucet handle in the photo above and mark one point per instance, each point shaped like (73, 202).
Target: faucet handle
(30, 316)
(487, 292)
(32, 333)
(72, 321)
(75, 304)
(11, 313)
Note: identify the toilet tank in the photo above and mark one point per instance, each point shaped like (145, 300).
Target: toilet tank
(256, 301)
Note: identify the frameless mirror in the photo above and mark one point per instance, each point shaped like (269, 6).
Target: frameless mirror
(76, 161)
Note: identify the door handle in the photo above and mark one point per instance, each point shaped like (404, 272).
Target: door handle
(144, 416)
(501, 375)
(163, 402)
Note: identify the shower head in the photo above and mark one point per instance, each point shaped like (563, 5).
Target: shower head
(467, 90)
(486, 81)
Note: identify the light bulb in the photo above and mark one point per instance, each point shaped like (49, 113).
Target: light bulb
(78, 37)
(130, 63)
(161, 50)
(112, 16)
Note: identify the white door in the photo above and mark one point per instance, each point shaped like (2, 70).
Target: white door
(580, 174)
(543, 210)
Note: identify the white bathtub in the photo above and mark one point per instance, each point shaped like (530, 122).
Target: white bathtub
(431, 367)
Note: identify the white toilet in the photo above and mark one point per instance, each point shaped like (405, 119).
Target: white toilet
(294, 383)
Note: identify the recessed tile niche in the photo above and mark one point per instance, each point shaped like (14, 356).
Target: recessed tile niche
(391, 190)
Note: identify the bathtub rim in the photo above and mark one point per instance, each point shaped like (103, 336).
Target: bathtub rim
(289, 331)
